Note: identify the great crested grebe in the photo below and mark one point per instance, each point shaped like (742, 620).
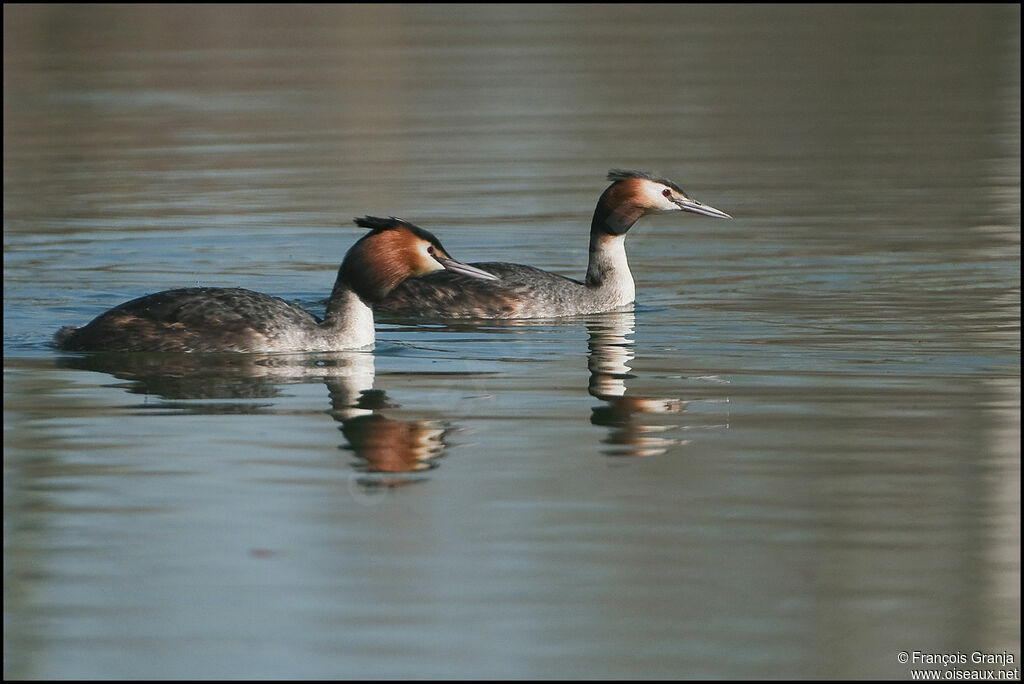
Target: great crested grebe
(213, 319)
(528, 292)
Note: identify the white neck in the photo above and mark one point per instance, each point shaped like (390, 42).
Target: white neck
(609, 271)
(349, 320)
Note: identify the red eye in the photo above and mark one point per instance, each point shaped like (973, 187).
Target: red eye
(666, 192)
(430, 250)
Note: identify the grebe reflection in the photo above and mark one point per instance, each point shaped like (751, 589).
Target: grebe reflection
(385, 447)
(636, 424)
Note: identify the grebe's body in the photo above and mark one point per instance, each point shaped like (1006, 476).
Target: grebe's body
(210, 319)
(527, 292)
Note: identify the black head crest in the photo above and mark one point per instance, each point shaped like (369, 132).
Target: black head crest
(377, 224)
(615, 175)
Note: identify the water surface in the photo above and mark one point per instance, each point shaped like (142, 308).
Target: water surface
(798, 456)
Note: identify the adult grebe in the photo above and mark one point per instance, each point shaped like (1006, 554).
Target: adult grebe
(213, 319)
(528, 292)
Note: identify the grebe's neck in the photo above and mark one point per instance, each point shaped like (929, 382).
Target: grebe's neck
(610, 219)
(348, 316)
(608, 269)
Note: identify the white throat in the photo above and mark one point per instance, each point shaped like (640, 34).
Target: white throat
(349, 322)
(609, 270)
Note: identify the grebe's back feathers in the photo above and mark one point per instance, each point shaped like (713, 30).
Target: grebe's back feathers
(182, 320)
(519, 292)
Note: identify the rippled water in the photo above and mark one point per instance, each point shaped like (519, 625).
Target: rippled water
(798, 456)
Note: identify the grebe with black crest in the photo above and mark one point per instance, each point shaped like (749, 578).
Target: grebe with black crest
(215, 319)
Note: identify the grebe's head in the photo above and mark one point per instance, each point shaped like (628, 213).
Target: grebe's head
(633, 194)
(392, 251)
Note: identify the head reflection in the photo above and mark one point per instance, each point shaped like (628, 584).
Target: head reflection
(388, 445)
(632, 431)
(249, 383)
